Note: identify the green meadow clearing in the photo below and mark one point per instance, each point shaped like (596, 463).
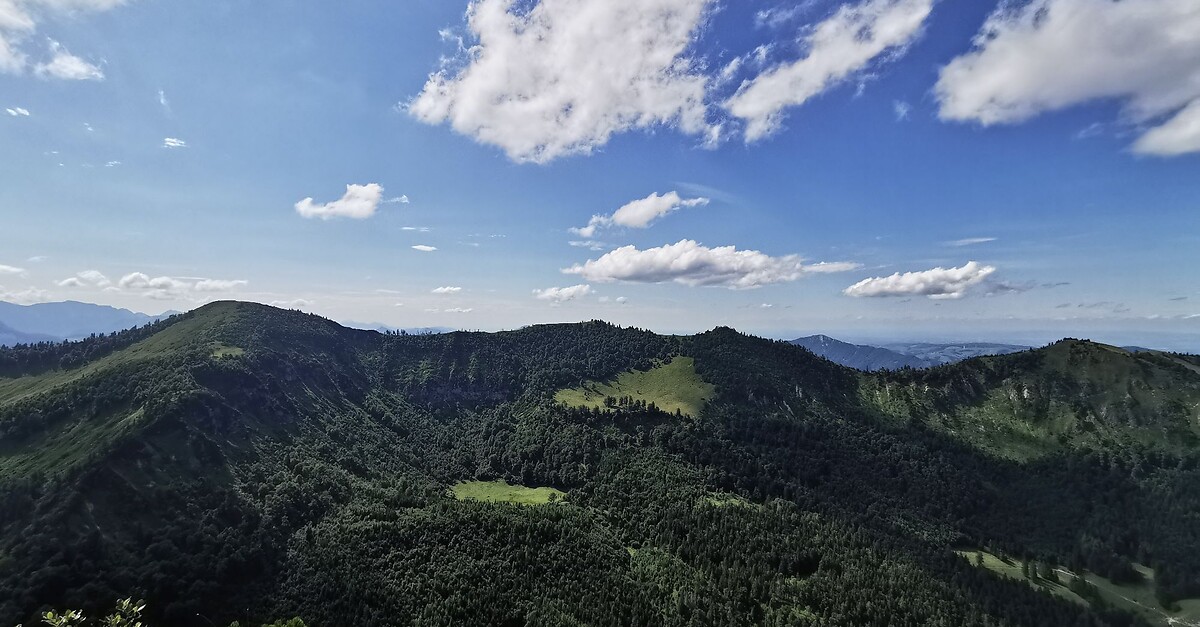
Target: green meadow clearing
(1134, 598)
(499, 491)
(670, 386)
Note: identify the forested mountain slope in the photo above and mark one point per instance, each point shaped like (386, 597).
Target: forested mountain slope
(244, 462)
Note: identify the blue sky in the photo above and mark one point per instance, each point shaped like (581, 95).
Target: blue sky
(158, 155)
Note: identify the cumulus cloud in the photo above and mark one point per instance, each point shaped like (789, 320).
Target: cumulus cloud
(447, 290)
(1047, 55)
(11, 269)
(424, 248)
(552, 78)
(87, 278)
(172, 288)
(359, 203)
(298, 303)
(66, 66)
(174, 142)
(18, 23)
(562, 294)
(18, 112)
(938, 283)
(837, 49)
(26, 296)
(640, 213)
(689, 263)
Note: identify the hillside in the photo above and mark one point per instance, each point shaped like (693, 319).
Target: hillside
(241, 462)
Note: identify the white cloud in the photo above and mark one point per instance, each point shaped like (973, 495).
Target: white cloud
(66, 66)
(901, 109)
(559, 77)
(11, 269)
(359, 202)
(162, 100)
(970, 241)
(171, 288)
(17, 112)
(298, 303)
(218, 285)
(1177, 136)
(938, 283)
(562, 294)
(640, 213)
(112, 164)
(424, 248)
(447, 290)
(689, 263)
(458, 310)
(621, 300)
(95, 277)
(398, 200)
(1047, 55)
(18, 22)
(174, 142)
(26, 296)
(87, 278)
(589, 244)
(837, 49)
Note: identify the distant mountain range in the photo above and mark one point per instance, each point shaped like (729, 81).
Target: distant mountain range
(383, 328)
(68, 320)
(893, 356)
(858, 356)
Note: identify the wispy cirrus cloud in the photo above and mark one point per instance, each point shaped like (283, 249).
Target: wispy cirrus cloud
(19, 21)
(640, 213)
(970, 241)
(837, 48)
(65, 66)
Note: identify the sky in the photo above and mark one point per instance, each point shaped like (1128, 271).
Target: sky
(882, 169)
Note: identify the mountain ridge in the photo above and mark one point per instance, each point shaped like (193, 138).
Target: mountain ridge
(243, 456)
